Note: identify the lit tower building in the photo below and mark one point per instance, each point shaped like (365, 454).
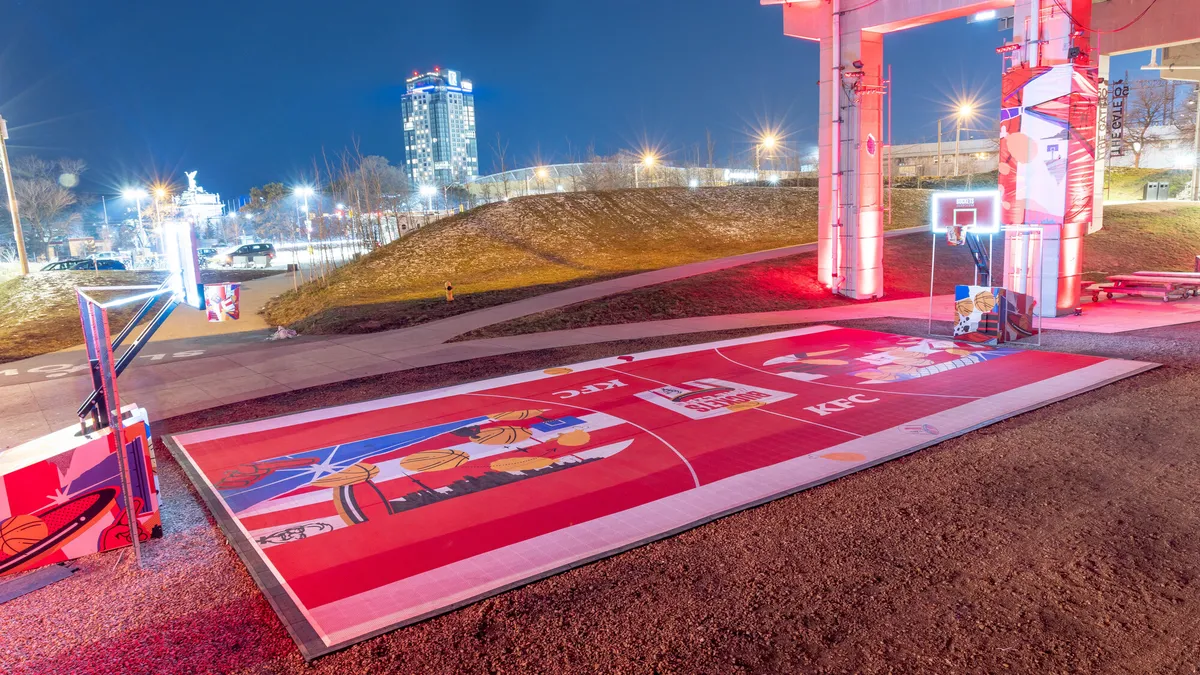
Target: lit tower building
(439, 129)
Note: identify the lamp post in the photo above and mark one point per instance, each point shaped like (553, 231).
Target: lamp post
(648, 161)
(965, 112)
(18, 234)
(137, 195)
(768, 142)
(1195, 149)
(304, 192)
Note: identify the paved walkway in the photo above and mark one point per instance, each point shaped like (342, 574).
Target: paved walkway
(176, 385)
(187, 333)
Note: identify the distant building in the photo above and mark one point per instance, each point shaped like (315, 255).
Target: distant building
(921, 159)
(196, 205)
(439, 129)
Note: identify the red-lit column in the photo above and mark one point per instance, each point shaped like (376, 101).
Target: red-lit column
(850, 226)
(1048, 151)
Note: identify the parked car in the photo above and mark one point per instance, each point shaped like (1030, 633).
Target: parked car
(83, 264)
(60, 265)
(247, 255)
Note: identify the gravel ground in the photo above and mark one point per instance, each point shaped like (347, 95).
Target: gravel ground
(1062, 539)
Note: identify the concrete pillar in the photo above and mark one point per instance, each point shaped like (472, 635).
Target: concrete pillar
(1048, 152)
(850, 232)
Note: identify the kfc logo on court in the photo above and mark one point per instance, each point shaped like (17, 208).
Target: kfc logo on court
(589, 389)
(840, 404)
(706, 398)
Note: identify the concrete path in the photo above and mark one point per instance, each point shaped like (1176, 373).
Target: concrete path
(174, 383)
(187, 333)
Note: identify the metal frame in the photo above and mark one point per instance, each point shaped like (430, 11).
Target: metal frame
(103, 406)
(93, 405)
(1038, 276)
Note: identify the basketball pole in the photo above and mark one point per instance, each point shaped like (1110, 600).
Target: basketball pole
(18, 234)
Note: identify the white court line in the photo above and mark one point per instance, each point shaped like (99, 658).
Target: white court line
(622, 372)
(842, 386)
(683, 459)
(816, 424)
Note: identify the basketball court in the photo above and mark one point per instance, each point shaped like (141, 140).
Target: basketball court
(358, 519)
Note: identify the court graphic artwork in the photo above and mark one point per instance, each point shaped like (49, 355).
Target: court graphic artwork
(364, 517)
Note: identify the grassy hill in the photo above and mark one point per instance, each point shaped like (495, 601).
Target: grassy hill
(543, 242)
(1156, 236)
(39, 313)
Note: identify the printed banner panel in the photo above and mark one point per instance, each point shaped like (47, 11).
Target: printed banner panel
(70, 504)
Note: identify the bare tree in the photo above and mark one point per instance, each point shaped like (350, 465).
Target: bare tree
(44, 192)
(1150, 104)
(500, 150)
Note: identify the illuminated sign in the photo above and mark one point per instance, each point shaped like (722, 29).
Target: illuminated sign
(452, 77)
(732, 175)
(1008, 48)
(977, 212)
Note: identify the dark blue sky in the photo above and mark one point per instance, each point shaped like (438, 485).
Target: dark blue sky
(249, 91)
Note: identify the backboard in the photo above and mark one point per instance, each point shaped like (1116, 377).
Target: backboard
(975, 212)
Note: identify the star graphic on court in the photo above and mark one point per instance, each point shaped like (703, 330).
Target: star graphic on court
(324, 468)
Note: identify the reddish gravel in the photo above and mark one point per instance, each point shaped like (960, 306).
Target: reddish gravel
(1063, 539)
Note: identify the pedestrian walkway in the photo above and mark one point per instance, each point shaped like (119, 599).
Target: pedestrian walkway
(173, 386)
(188, 333)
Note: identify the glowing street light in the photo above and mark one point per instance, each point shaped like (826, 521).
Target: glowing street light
(767, 142)
(966, 110)
(428, 191)
(137, 195)
(648, 161)
(304, 192)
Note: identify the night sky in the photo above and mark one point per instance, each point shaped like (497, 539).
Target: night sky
(250, 91)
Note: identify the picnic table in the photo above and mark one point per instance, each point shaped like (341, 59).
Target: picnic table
(1167, 285)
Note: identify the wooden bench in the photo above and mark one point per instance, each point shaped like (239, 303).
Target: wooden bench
(1167, 285)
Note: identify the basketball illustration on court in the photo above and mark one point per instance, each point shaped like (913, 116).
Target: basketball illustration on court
(20, 532)
(502, 435)
(434, 460)
(515, 415)
(351, 475)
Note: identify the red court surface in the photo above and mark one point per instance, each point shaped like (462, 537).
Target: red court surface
(357, 519)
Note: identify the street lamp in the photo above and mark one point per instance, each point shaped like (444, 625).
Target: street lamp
(965, 112)
(137, 195)
(304, 192)
(428, 191)
(18, 234)
(768, 142)
(648, 161)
